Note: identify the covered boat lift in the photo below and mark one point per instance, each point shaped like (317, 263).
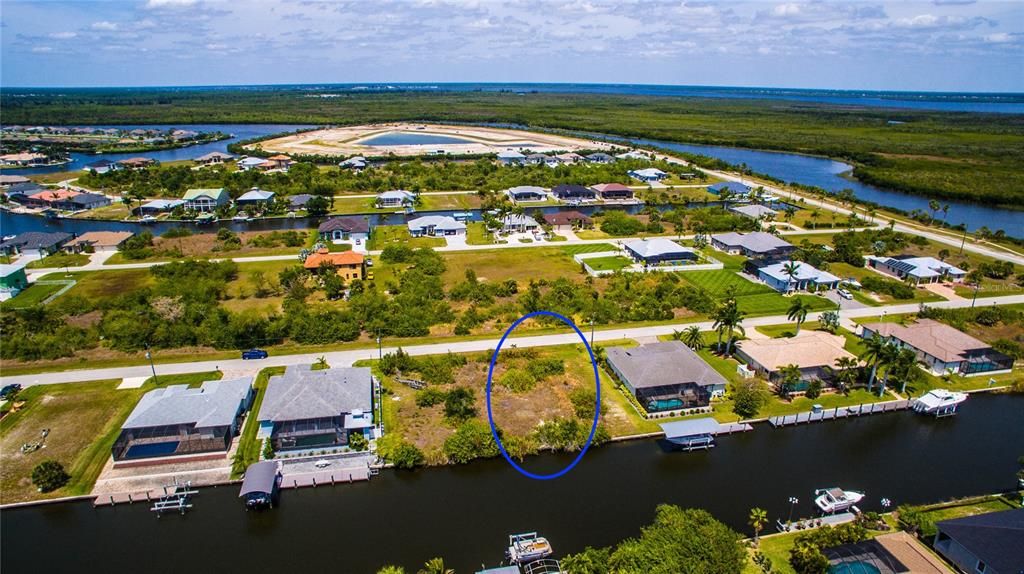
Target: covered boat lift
(698, 434)
(259, 487)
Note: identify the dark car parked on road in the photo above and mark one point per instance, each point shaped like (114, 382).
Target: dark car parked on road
(254, 354)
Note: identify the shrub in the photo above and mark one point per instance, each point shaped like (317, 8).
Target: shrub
(583, 401)
(470, 441)
(429, 397)
(748, 398)
(543, 368)
(49, 475)
(517, 380)
(396, 253)
(813, 389)
(268, 449)
(176, 232)
(459, 405)
(358, 442)
(896, 289)
(398, 452)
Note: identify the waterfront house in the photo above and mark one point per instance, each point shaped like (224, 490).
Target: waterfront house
(987, 543)
(214, 158)
(160, 206)
(136, 162)
(247, 163)
(12, 280)
(753, 244)
(184, 423)
(513, 223)
(632, 154)
(660, 251)
(666, 376)
(805, 277)
(52, 198)
(613, 191)
(25, 159)
(22, 193)
(299, 201)
(356, 229)
(205, 199)
(101, 166)
(941, 348)
(535, 159)
(355, 163)
(350, 265)
(305, 409)
(396, 198)
(570, 157)
(255, 197)
(35, 243)
(648, 174)
(734, 188)
(82, 201)
(571, 219)
(918, 269)
(511, 157)
(432, 225)
(526, 193)
(573, 193)
(813, 352)
(754, 211)
(599, 157)
(98, 241)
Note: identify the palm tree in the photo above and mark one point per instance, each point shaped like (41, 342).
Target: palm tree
(906, 365)
(790, 211)
(436, 566)
(934, 207)
(693, 338)
(791, 268)
(789, 376)
(321, 362)
(798, 312)
(890, 360)
(727, 319)
(757, 520)
(847, 371)
(872, 355)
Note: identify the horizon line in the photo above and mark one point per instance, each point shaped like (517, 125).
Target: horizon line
(492, 83)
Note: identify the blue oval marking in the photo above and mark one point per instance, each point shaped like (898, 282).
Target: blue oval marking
(597, 402)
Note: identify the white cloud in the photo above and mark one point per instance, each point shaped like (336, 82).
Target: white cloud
(158, 4)
(42, 49)
(216, 46)
(790, 9)
(999, 38)
(63, 35)
(104, 25)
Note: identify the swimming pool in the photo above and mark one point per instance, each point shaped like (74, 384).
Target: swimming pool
(407, 138)
(854, 568)
(151, 449)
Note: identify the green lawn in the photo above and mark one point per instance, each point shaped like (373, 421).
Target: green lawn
(477, 234)
(249, 447)
(33, 295)
(383, 235)
(84, 419)
(773, 303)
(613, 263)
(520, 264)
(190, 379)
(60, 260)
(571, 250)
(445, 201)
(718, 281)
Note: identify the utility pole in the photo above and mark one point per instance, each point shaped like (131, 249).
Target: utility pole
(591, 332)
(152, 367)
(963, 239)
(380, 349)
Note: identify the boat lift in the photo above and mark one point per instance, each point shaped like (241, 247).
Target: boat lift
(178, 498)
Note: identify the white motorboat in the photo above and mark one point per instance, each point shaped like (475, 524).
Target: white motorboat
(527, 547)
(939, 402)
(835, 499)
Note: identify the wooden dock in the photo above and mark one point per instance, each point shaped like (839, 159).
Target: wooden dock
(325, 477)
(840, 413)
(812, 523)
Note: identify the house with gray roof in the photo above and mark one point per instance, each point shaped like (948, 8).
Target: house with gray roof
(754, 211)
(753, 244)
(659, 251)
(255, 197)
(526, 193)
(666, 376)
(432, 225)
(396, 198)
(918, 269)
(511, 157)
(35, 243)
(356, 162)
(344, 229)
(600, 157)
(733, 188)
(180, 420)
(988, 543)
(513, 223)
(305, 409)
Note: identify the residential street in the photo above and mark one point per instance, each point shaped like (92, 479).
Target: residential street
(345, 358)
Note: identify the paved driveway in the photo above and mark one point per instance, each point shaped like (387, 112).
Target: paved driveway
(844, 304)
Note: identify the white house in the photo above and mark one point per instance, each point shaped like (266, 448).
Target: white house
(432, 225)
(918, 269)
(804, 277)
(518, 224)
(396, 198)
(648, 174)
(510, 157)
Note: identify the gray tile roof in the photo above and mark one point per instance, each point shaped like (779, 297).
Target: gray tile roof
(996, 538)
(346, 224)
(757, 241)
(215, 403)
(301, 393)
(659, 364)
(37, 240)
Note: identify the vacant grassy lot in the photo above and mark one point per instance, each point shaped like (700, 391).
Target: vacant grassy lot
(519, 264)
(383, 235)
(477, 234)
(104, 284)
(444, 201)
(207, 246)
(84, 420)
(571, 250)
(60, 260)
(719, 281)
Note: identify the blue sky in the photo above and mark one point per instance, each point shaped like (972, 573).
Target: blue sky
(945, 45)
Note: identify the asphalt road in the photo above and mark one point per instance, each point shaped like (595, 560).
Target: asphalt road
(346, 358)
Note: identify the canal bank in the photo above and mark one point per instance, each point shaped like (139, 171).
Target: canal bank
(464, 513)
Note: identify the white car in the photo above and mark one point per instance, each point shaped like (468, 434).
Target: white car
(322, 463)
(845, 294)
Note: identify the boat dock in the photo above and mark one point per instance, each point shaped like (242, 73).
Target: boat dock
(840, 413)
(700, 433)
(325, 477)
(803, 524)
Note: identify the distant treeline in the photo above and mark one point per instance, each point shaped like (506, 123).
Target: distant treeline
(968, 156)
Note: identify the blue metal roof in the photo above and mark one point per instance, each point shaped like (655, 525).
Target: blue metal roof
(732, 186)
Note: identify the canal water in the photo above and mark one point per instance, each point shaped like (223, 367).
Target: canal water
(465, 513)
(796, 168)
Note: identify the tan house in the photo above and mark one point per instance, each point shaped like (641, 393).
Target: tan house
(99, 241)
(349, 264)
(943, 349)
(814, 352)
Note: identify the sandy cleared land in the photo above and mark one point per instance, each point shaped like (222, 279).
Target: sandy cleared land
(347, 141)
